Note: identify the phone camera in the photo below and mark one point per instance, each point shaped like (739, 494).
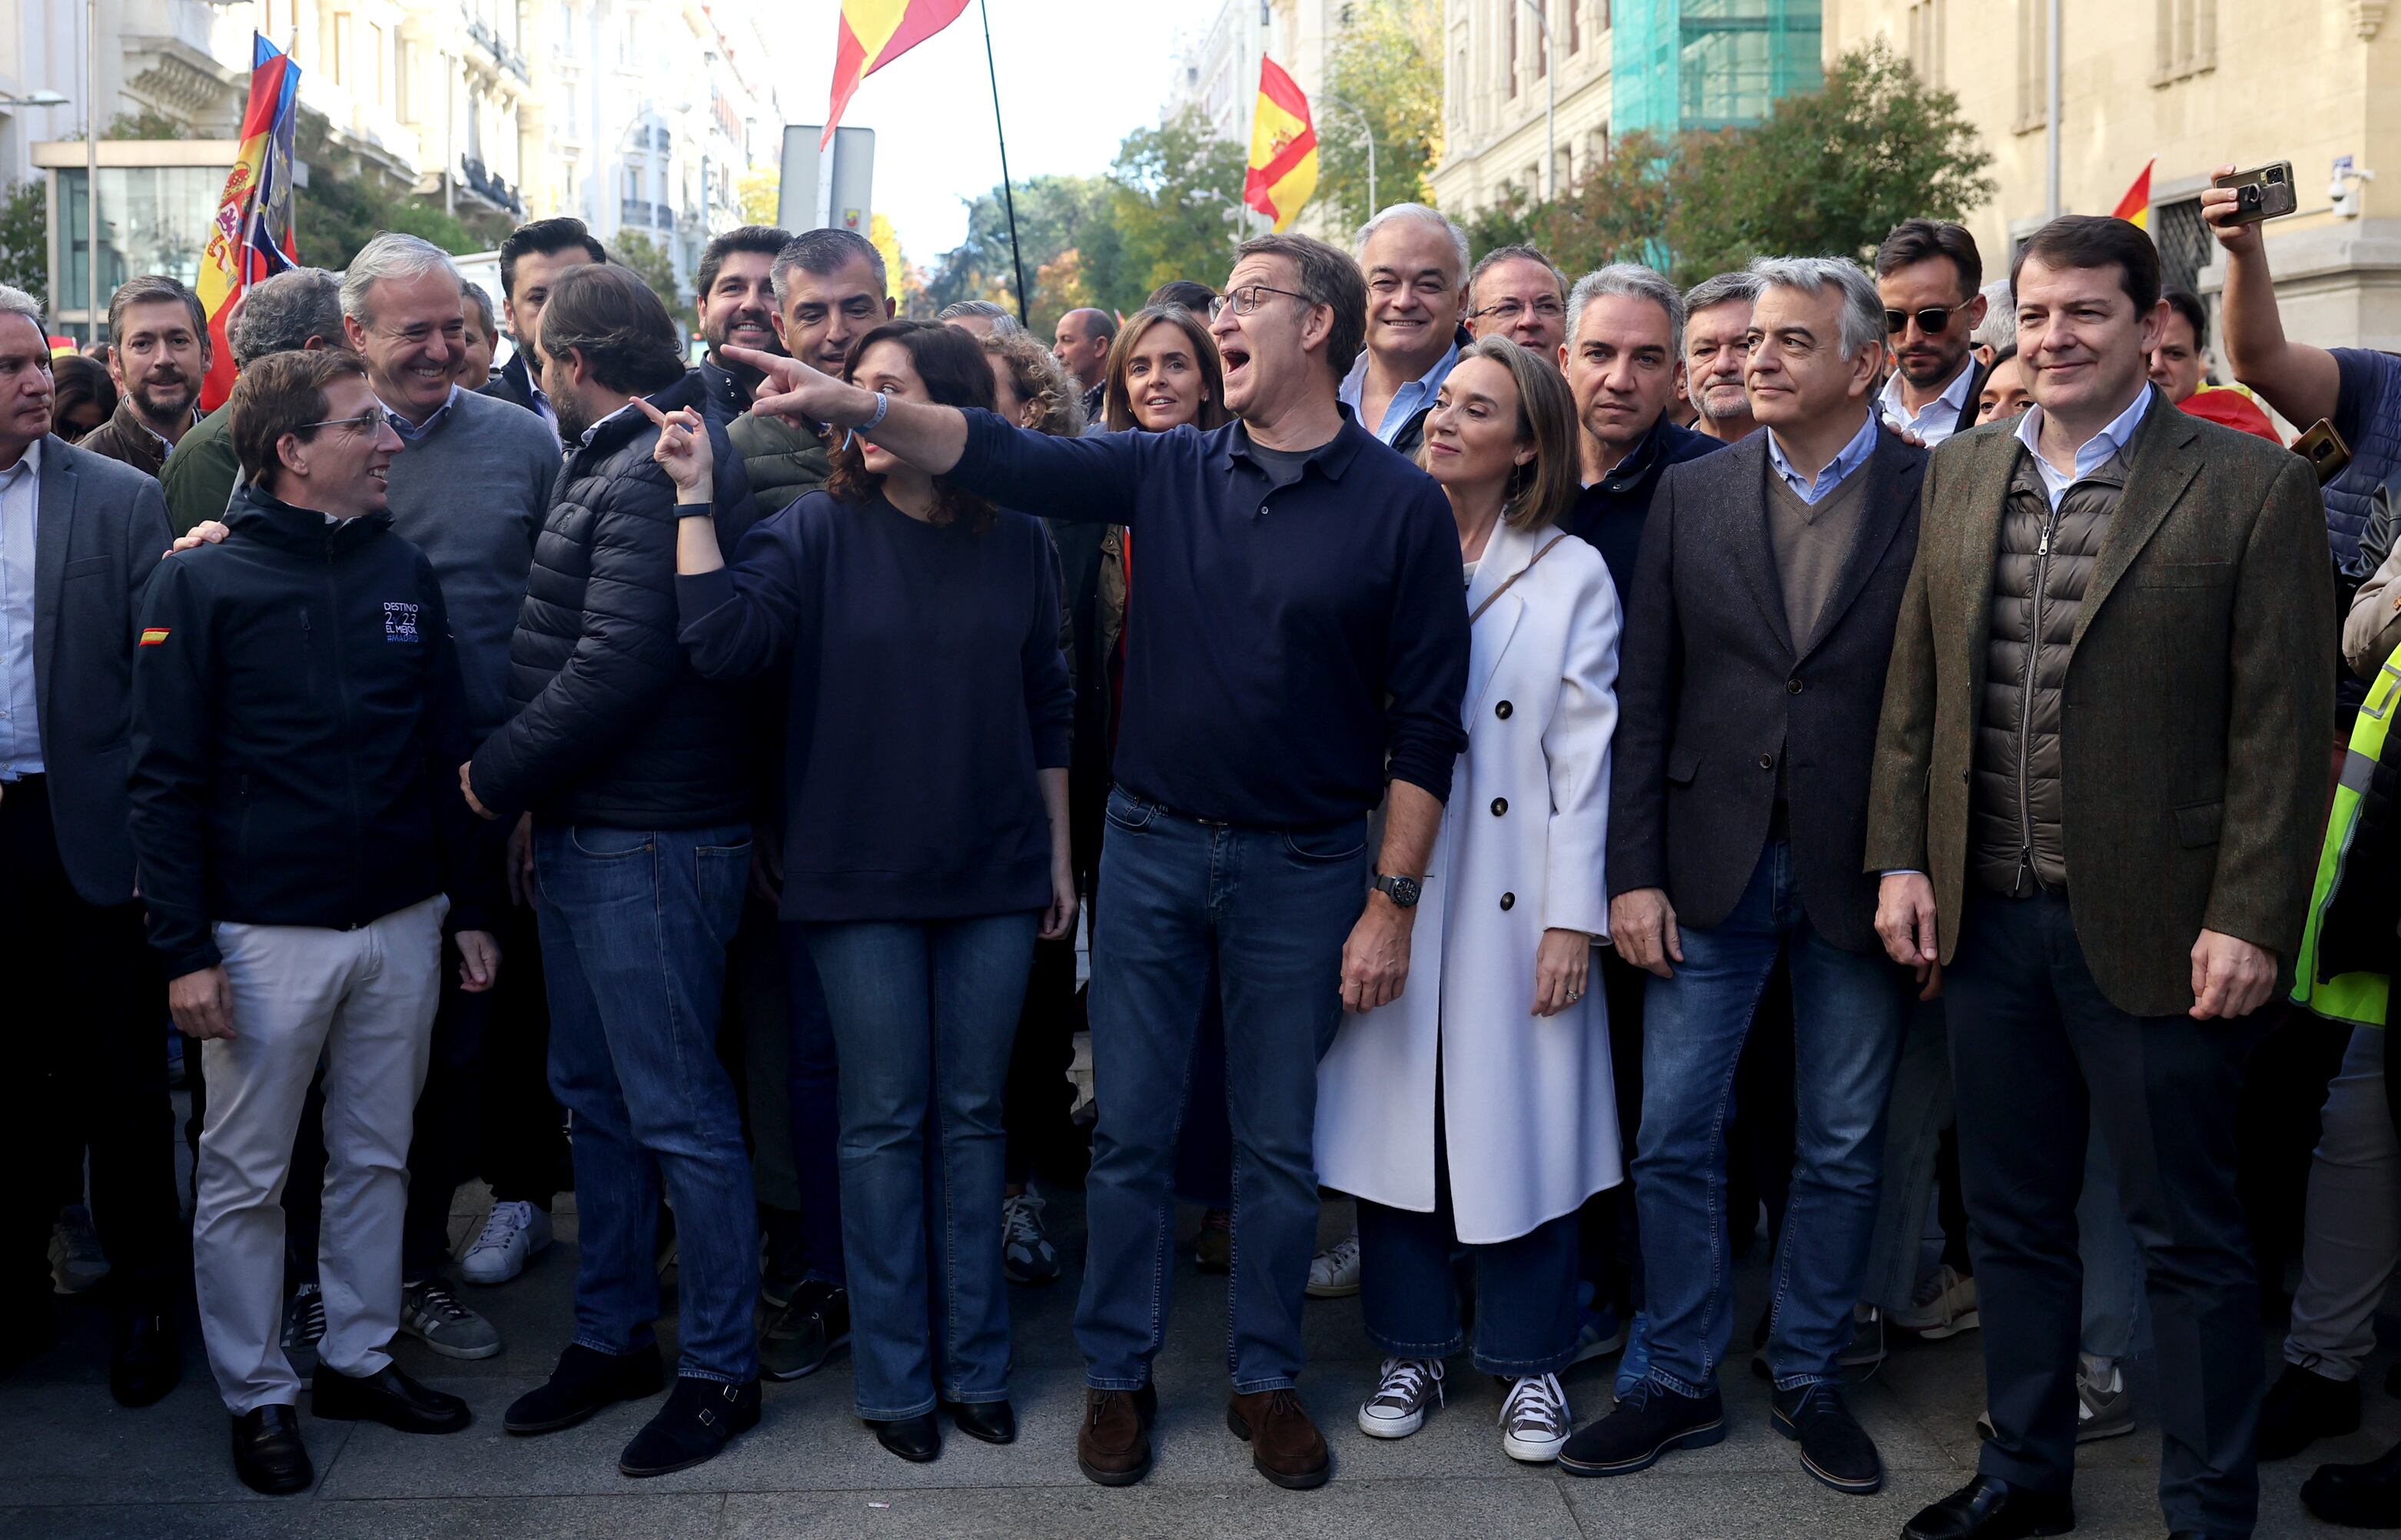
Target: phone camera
(2275, 176)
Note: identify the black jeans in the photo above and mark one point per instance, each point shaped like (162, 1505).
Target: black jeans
(88, 1002)
(2038, 1056)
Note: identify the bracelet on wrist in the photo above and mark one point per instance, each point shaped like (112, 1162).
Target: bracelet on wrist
(883, 404)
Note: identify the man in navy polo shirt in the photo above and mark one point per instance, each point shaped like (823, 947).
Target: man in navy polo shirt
(1301, 657)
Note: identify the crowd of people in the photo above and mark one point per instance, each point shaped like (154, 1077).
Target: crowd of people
(1453, 705)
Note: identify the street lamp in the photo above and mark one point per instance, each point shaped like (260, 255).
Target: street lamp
(36, 99)
(1550, 103)
(1366, 131)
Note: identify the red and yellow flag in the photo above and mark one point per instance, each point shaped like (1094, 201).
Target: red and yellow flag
(1284, 148)
(250, 237)
(2135, 207)
(874, 33)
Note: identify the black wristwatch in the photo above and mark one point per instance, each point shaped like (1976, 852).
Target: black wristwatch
(1404, 891)
(695, 510)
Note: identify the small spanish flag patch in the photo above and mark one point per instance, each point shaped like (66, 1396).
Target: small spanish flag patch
(153, 636)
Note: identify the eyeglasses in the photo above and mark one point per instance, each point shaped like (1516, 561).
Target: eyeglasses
(365, 422)
(1511, 310)
(1930, 321)
(1248, 298)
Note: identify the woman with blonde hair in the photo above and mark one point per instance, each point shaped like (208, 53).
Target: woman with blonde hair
(1477, 1110)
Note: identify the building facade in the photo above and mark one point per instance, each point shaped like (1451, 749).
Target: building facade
(2196, 84)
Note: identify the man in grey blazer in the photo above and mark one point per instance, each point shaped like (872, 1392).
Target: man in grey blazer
(79, 535)
(1758, 626)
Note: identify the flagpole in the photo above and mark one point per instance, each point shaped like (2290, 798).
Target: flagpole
(1008, 194)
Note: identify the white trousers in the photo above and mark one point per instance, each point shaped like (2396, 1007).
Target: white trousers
(362, 1001)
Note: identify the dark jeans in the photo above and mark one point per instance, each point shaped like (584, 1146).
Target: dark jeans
(635, 924)
(1849, 1009)
(812, 1088)
(923, 1015)
(1204, 1152)
(1039, 1104)
(87, 998)
(1268, 910)
(487, 1107)
(2038, 1056)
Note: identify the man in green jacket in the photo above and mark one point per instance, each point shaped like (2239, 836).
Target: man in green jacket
(298, 308)
(830, 290)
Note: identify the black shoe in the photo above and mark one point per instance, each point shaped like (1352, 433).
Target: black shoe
(700, 1419)
(2364, 1496)
(917, 1439)
(803, 1335)
(1834, 1448)
(993, 1421)
(146, 1359)
(585, 1381)
(1651, 1421)
(267, 1453)
(782, 1254)
(386, 1397)
(1989, 1508)
(2303, 1407)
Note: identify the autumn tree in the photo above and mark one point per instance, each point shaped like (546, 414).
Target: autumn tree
(1176, 202)
(1383, 75)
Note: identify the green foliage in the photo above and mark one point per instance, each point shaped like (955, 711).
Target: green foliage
(1384, 66)
(1617, 212)
(147, 123)
(25, 236)
(654, 264)
(349, 201)
(1055, 214)
(1176, 195)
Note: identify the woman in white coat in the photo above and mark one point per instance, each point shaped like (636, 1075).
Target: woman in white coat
(1477, 1110)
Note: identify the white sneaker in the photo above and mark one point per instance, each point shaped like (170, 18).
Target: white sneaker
(514, 1234)
(77, 1261)
(1333, 1272)
(1534, 1420)
(1398, 1406)
(1943, 1306)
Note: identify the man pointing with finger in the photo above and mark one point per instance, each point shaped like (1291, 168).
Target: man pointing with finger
(2098, 780)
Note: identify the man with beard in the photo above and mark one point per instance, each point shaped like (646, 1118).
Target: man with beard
(829, 290)
(158, 354)
(737, 305)
(1082, 348)
(1927, 275)
(1717, 340)
(531, 259)
(297, 310)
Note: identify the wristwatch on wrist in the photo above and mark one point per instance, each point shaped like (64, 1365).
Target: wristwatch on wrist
(694, 510)
(1404, 891)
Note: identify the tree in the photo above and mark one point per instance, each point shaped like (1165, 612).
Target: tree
(905, 284)
(756, 192)
(349, 201)
(652, 264)
(1176, 200)
(1054, 215)
(1385, 66)
(25, 235)
(1617, 212)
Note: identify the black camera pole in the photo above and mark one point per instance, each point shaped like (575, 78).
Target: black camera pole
(1009, 194)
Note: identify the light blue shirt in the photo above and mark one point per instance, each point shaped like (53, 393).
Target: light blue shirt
(413, 432)
(1939, 418)
(2092, 454)
(1406, 402)
(1813, 490)
(20, 722)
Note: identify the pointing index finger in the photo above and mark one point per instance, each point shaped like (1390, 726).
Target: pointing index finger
(658, 419)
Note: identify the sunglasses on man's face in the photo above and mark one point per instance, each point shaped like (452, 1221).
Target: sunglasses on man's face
(1930, 321)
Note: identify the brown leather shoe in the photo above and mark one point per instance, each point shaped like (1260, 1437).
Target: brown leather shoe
(1285, 1445)
(1113, 1441)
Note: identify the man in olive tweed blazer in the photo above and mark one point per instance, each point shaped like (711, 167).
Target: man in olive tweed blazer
(2104, 847)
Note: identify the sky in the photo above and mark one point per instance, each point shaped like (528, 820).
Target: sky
(1076, 77)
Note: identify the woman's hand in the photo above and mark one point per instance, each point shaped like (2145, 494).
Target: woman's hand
(1060, 919)
(683, 450)
(1562, 967)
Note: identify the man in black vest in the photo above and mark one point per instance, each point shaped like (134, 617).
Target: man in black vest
(1927, 275)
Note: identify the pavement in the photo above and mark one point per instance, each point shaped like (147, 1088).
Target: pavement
(74, 1467)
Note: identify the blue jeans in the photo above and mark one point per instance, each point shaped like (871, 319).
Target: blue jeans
(1849, 1009)
(635, 924)
(924, 1017)
(1266, 912)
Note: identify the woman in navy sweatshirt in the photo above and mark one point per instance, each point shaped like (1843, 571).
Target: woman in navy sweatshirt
(925, 849)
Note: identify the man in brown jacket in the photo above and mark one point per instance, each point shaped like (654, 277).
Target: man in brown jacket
(158, 356)
(2098, 787)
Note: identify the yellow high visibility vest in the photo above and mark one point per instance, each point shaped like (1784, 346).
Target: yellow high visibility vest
(2360, 999)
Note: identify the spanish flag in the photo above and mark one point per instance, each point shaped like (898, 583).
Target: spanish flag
(250, 237)
(2135, 207)
(1284, 148)
(874, 33)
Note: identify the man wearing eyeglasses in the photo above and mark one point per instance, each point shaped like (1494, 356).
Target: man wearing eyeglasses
(1415, 264)
(1517, 293)
(1928, 276)
(297, 714)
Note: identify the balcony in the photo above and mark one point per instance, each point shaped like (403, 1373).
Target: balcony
(476, 178)
(645, 215)
(506, 57)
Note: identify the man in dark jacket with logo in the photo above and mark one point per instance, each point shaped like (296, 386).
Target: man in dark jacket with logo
(637, 773)
(296, 712)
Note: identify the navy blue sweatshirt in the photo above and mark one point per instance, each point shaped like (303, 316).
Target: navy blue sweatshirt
(1612, 512)
(1291, 648)
(927, 687)
(299, 725)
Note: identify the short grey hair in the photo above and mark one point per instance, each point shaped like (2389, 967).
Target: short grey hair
(474, 295)
(2000, 327)
(1519, 253)
(1003, 324)
(392, 255)
(15, 301)
(284, 312)
(1862, 308)
(823, 252)
(1628, 280)
(1724, 289)
(1417, 213)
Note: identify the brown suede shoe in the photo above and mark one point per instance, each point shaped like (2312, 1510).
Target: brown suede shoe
(1285, 1445)
(1113, 1441)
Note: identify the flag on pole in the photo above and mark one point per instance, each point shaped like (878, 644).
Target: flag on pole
(250, 237)
(1284, 148)
(873, 34)
(2135, 207)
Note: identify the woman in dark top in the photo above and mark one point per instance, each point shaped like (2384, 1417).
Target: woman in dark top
(926, 788)
(83, 398)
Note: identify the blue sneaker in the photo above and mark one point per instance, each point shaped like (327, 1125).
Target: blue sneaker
(1598, 1334)
(1635, 1366)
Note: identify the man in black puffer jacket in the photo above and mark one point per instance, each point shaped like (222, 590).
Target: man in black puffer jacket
(637, 773)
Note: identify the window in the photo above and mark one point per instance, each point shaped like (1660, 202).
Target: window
(1575, 26)
(2186, 245)
(1512, 47)
(1564, 168)
(2187, 39)
(1595, 151)
(1459, 87)
(375, 43)
(402, 107)
(1925, 22)
(1542, 38)
(341, 60)
(2034, 65)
